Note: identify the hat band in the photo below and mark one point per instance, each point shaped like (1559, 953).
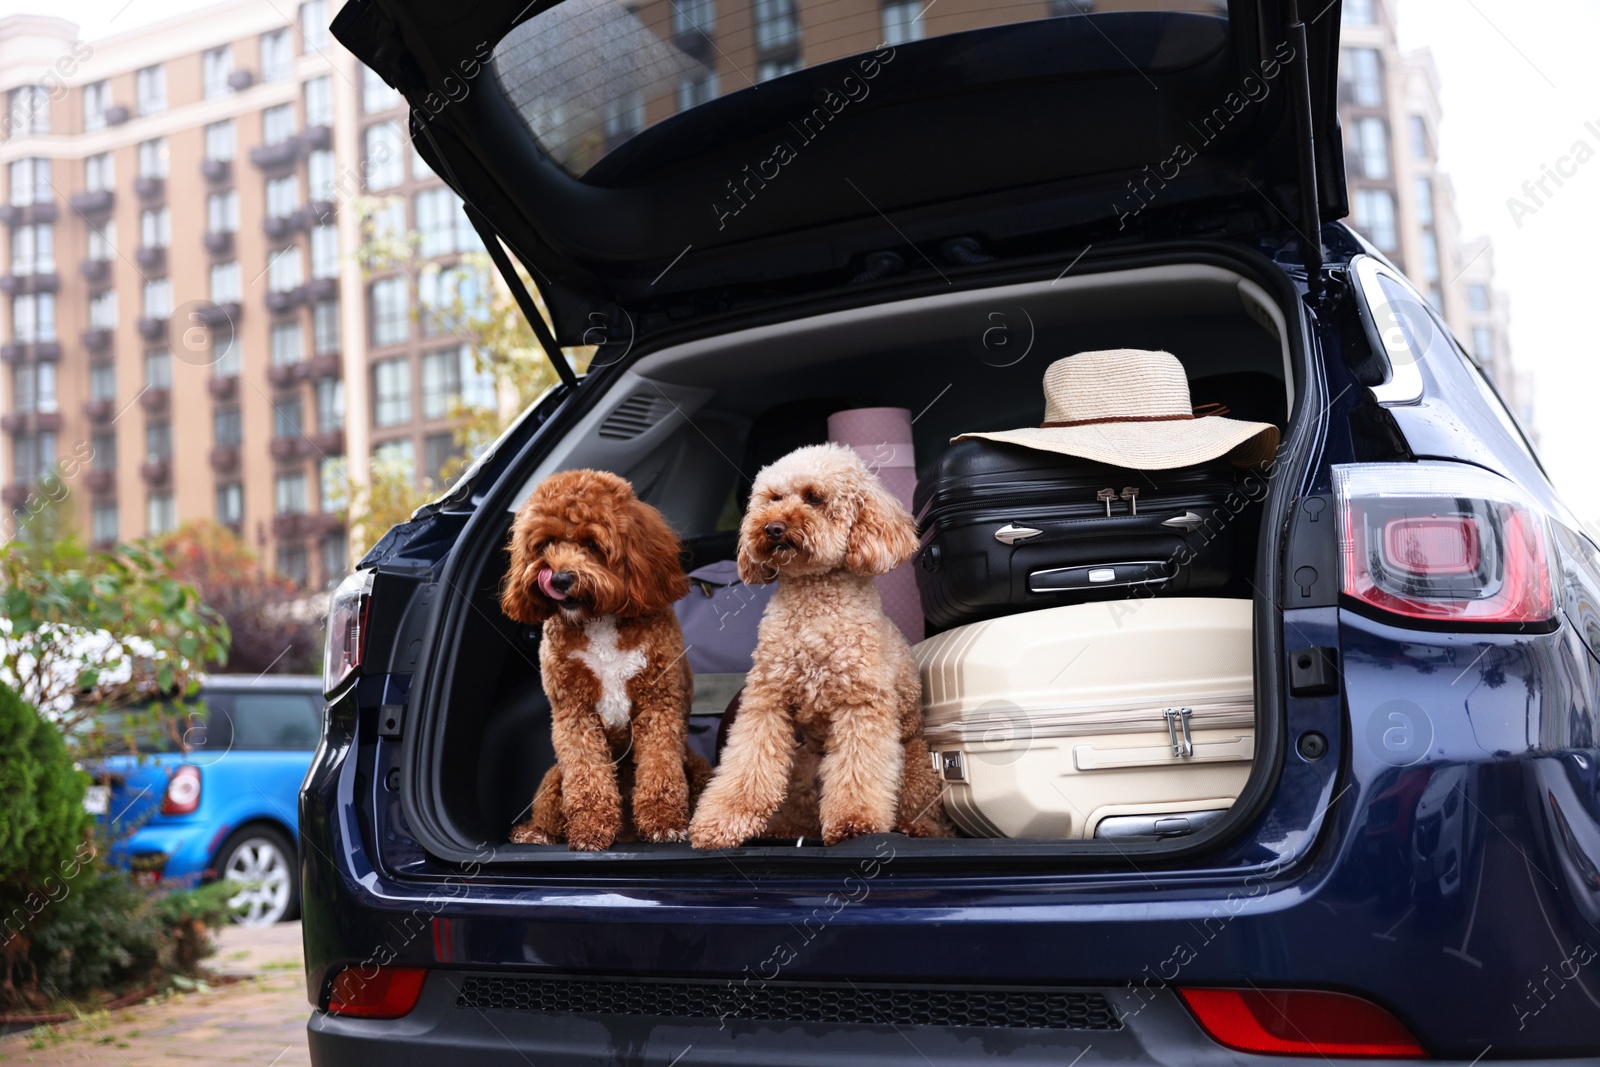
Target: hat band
(1201, 411)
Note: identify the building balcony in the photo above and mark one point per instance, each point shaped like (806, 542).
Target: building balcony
(16, 495)
(328, 442)
(47, 351)
(276, 157)
(37, 282)
(314, 137)
(97, 411)
(322, 289)
(289, 448)
(223, 387)
(13, 352)
(149, 188)
(96, 339)
(92, 203)
(218, 242)
(219, 316)
(95, 271)
(47, 421)
(152, 328)
(290, 526)
(157, 470)
(216, 170)
(100, 481)
(39, 211)
(155, 399)
(284, 375)
(150, 257)
(240, 80)
(327, 365)
(224, 458)
(319, 212)
(283, 300)
(277, 227)
(117, 114)
(324, 523)
(13, 422)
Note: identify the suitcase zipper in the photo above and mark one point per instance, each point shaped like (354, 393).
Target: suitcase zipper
(1178, 722)
(1065, 720)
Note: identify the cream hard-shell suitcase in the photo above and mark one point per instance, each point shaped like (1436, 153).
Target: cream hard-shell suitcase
(1116, 719)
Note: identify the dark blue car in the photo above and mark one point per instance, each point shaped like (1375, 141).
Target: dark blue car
(222, 801)
(1413, 868)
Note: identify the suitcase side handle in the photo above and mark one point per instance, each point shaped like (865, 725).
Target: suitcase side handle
(1100, 576)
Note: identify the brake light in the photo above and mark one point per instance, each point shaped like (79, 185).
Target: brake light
(1445, 542)
(387, 993)
(1300, 1022)
(347, 629)
(183, 791)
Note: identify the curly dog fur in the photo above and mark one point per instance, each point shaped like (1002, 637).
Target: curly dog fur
(827, 661)
(600, 569)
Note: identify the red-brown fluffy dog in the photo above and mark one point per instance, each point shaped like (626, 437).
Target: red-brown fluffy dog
(828, 662)
(600, 569)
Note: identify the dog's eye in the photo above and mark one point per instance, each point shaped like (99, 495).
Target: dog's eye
(590, 546)
(813, 498)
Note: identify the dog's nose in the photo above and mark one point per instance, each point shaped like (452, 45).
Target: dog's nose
(563, 581)
(776, 530)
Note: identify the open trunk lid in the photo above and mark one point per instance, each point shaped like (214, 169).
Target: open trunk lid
(658, 161)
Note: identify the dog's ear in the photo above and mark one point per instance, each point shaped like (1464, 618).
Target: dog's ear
(883, 536)
(651, 564)
(518, 596)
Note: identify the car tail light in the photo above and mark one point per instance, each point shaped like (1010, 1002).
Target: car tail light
(1443, 542)
(387, 993)
(183, 791)
(1300, 1022)
(347, 629)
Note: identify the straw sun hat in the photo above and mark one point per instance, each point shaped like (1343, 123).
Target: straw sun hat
(1130, 408)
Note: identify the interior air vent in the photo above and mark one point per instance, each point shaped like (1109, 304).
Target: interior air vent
(634, 416)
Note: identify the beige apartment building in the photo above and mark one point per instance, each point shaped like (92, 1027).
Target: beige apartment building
(185, 327)
(1403, 203)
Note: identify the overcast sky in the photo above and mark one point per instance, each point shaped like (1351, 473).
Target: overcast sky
(1520, 84)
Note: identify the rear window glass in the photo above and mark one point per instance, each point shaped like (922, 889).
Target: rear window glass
(283, 721)
(588, 75)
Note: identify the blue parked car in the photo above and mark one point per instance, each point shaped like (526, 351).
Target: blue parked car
(1412, 869)
(227, 807)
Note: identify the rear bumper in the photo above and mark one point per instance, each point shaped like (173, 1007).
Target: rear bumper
(187, 847)
(1156, 1031)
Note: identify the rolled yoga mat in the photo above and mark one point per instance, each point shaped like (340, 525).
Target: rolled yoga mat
(882, 438)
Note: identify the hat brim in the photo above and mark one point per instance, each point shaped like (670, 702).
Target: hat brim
(1151, 446)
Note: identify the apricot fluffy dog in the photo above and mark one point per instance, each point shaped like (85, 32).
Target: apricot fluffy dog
(600, 569)
(827, 661)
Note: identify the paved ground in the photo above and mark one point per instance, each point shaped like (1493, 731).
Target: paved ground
(260, 1021)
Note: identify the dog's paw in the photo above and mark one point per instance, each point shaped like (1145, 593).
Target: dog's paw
(845, 829)
(527, 835)
(722, 832)
(587, 835)
(662, 837)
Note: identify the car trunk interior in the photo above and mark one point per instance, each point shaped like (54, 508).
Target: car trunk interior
(690, 424)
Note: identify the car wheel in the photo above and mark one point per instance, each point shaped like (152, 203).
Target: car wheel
(262, 860)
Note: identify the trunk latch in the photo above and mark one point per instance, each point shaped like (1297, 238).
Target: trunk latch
(1178, 731)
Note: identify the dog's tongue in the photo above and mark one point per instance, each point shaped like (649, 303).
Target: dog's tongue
(545, 574)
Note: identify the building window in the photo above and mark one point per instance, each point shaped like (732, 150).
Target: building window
(331, 484)
(225, 356)
(399, 455)
(1419, 137)
(391, 391)
(230, 504)
(33, 249)
(768, 69)
(902, 22)
(158, 440)
(103, 381)
(334, 561)
(220, 141)
(287, 345)
(1372, 141)
(226, 427)
(1358, 13)
(105, 451)
(694, 17)
(450, 298)
(104, 523)
(29, 111)
(222, 212)
(319, 101)
(325, 327)
(99, 176)
(277, 124)
(376, 94)
(158, 298)
(1430, 257)
(33, 317)
(283, 196)
(287, 419)
(150, 89)
(1375, 217)
(1477, 297)
(30, 182)
(96, 99)
(277, 56)
(216, 66)
(330, 404)
(155, 228)
(1424, 188)
(284, 270)
(319, 171)
(314, 24)
(1363, 70)
(454, 374)
(291, 493)
(103, 310)
(386, 221)
(153, 158)
(624, 116)
(1483, 344)
(324, 252)
(439, 450)
(225, 283)
(776, 24)
(391, 312)
(158, 369)
(439, 222)
(700, 89)
(294, 565)
(385, 155)
(32, 456)
(25, 386)
(103, 241)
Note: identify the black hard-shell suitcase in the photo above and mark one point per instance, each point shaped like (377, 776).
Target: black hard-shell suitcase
(1006, 529)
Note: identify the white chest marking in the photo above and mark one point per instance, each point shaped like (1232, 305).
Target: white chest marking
(612, 668)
